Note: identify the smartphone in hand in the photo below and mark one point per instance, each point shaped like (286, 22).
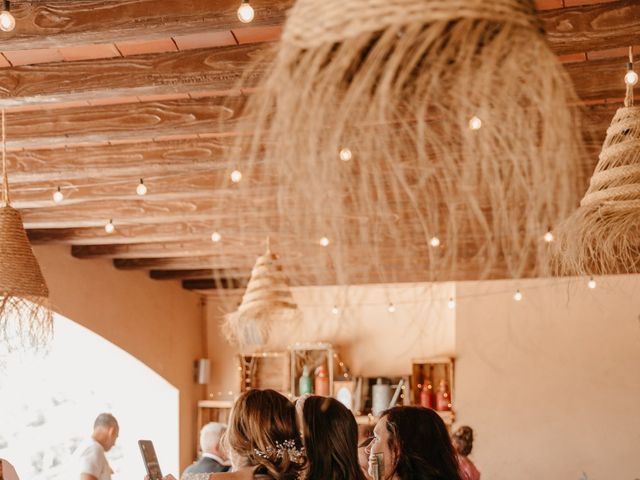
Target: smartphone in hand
(150, 459)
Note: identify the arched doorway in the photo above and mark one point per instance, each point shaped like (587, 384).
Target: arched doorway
(49, 402)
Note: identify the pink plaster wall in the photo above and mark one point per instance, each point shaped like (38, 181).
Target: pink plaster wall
(551, 384)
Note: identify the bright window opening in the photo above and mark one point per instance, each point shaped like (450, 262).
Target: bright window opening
(49, 402)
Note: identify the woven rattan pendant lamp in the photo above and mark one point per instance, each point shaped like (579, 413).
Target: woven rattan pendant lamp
(603, 234)
(267, 302)
(25, 316)
(439, 136)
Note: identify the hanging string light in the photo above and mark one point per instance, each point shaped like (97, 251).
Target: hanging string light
(517, 296)
(324, 241)
(591, 283)
(451, 304)
(58, 196)
(335, 310)
(216, 237)
(141, 189)
(434, 242)
(631, 77)
(245, 12)
(475, 123)
(110, 227)
(7, 20)
(345, 155)
(391, 308)
(548, 237)
(236, 176)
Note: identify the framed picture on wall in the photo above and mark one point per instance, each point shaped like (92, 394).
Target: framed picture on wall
(345, 392)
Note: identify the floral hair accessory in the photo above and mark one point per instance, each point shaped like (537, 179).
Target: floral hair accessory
(296, 455)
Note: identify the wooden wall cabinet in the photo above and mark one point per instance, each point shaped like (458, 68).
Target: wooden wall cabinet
(429, 374)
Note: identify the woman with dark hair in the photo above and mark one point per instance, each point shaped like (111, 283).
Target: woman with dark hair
(330, 436)
(412, 443)
(463, 443)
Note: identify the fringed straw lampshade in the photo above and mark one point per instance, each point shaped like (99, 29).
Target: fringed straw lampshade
(425, 139)
(267, 303)
(25, 316)
(603, 235)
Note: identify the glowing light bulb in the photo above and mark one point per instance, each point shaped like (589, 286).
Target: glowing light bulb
(391, 308)
(631, 78)
(58, 196)
(141, 189)
(345, 155)
(475, 123)
(335, 310)
(434, 242)
(592, 283)
(517, 296)
(324, 241)
(548, 237)
(236, 176)
(245, 12)
(7, 21)
(451, 303)
(110, 227)
(216, 237)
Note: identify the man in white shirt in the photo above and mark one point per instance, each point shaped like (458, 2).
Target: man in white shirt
(214, 458)
(90, 460)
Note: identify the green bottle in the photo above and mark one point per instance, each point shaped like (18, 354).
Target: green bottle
(305, 383)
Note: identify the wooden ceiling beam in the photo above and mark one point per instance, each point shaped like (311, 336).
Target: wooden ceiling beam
(586, 28)
(203, 118)
(599, 79)
(205, 273)
(96, 213)
(235, 250)
(206, 118)
(195, 73)
(231, 250)
(225, 283)
(208, 183)
(170, 231)
(55, 24)
(217, 71)
(137, 160)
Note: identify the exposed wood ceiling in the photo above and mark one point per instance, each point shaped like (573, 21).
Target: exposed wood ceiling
(101, 93)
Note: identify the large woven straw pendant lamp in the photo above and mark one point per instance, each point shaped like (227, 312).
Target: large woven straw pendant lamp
(25, 316)
(603, 234)
(439, 136)
(267, 302)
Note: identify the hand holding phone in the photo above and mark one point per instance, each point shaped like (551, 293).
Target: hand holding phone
(150, 459)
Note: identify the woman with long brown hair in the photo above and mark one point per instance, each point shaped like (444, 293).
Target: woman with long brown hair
(330, 435)
(262, 439)
(412, 443)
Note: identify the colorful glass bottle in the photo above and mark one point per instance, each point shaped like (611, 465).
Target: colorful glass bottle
(305, 383)
(426, 394)
(443, 399)
(322, 381)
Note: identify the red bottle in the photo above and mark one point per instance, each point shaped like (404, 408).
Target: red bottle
(322, 381)
(443, 399)
(426, 394)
